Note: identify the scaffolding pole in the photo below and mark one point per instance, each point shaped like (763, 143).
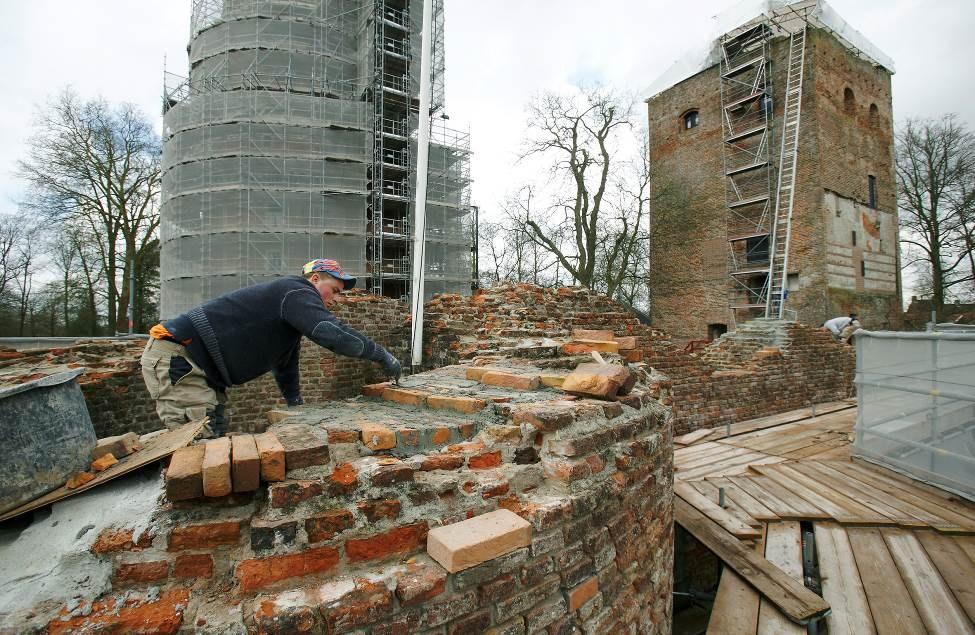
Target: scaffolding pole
(422, 161)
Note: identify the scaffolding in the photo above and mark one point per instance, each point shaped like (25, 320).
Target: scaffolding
(293, 137)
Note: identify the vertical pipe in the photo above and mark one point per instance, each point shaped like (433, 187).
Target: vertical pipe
(422, 161)
(131, 296)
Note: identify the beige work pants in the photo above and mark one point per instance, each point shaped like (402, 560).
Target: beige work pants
(176, 383)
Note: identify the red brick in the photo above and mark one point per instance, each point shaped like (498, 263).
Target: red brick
(396, 542)
(404, 396)
(591, 334)
(111, 540)
(197, 565)
(345, 478)
(465, 405)
(161, 617)
(216, 468)
(377, 436)
(484, 461)
(141, 572)
(369, 602)
(342, 435)
(375, 390)
(420, 582)
(441, 436)
(326, 526)
(596, 463)
(581, 347)
(441, 462)
(204, 536)
(286, 619)
(391, 474)
(547, 418)
(246, 463)
(566, 470)
(184, 478)
(289, 494)
(582, 593)
(634, 356)
(474, 623)
(271, 454)
(510, 380)
(304, 445)
(259, 573)
(377, 510)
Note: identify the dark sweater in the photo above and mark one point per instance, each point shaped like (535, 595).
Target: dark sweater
(258, 329)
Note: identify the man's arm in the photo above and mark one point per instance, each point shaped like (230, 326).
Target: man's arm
(288, 378)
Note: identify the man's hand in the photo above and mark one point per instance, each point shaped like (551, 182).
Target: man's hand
(295, 401)
(392, 367)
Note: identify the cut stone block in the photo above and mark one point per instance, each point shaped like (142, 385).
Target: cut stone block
(184, 478)
(510, 380)
(479, 539)
(216, 468)
(376, 436)
(118, 446)
(590, 334)
(271, 453)
(103, 462)
(596, 380)
(579, 347)
(246, 463)
(304, 445)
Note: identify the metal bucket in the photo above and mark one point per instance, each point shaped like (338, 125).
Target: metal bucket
(47, 437)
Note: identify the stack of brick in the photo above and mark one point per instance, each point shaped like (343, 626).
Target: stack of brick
(339, 544)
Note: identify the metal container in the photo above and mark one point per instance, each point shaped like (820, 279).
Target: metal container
(47, 437)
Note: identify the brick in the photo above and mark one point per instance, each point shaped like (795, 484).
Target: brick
(326, 526)
(464, 405)
(404, 396)
(272, 618)
(376, 436)
(118, 446)
(590, 334)
(634, 356)
(341, 435)
(552, 380)
(272, 458)
(303, 444)
(289, 494)
(479, 539)
(498, 588)
(407, 437)
(441, 462)
(547, 418)
(184, 478)
(79, 479)
(602, 381)
(246, 463)
(626, 343)
(510, 380)
(490, 569)
(368, 602)
(258, 573)
(141, 572)
(400, 541)
(103, 462)
(377, 510)
(111, 540)
(525, 600)
(204, 536)
(581, 347)
(279, 414)
(162, 616)
(474, 373)
(391, 474)
(421, 581)
(375, 390)
(473, 623)
(440, 436)
(198, 565)
(445, 609)
(216, 468)
(345, 478)
(265, 534)
(484, 460)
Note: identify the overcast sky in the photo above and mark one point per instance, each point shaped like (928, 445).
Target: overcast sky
(499, 54)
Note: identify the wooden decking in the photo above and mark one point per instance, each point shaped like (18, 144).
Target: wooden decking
(894, 556)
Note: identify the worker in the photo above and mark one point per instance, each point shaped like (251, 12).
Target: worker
(191, 360)
(839, 326)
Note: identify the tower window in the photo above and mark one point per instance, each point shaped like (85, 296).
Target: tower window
(853, 237)
(849, 100)
(874, 116)
(691, 119)
(872, 191)
(863, 267)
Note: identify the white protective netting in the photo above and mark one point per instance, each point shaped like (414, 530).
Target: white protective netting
(917, 405)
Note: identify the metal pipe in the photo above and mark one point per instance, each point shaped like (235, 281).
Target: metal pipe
(920, 446)
(131, 296)
(420, 208)
(935, 392)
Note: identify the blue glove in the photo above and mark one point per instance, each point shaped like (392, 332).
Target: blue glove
(392, 367)
(296, 401)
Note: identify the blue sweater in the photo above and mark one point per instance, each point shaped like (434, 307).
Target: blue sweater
(248, 332)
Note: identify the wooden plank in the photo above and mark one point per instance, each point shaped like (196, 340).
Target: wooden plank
(783, 548)
(902, 492)
(841, 583)
(156, 448)
(967, 543)
(891, 605)
(839, 453)
(711, 492)
(692, 437)
(818, 448)
(746, 502)
(779, 507)
(735, 608)
(701, 449)
(854, 490)
(711, 509)
(841, 508)
(967, 507)
(780, 440)
(797, 602)
(726, 453)
(736, 464)
(954, 565)
(937, 606)
(793, 416)
(799, 506)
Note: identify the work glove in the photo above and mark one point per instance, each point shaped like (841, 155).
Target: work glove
(392, 367)
(295, 401)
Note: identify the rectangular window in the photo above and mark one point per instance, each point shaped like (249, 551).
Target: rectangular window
(872, 190)
(863, 267)
(853, 237)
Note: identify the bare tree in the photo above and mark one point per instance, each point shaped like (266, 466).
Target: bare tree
(12, 230)
(576, 222)
(98, 165)
(935, 163)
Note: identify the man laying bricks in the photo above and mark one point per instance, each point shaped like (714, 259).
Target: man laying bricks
(191, 360)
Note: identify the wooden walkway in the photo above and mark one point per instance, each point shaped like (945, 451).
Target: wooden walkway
(894, 556)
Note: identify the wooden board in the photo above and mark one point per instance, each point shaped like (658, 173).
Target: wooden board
(891, 605)
(839, 507)
(733, 465)
(798, 506)
(736, 604)
(853, 489)
(155, 449)
(783, 548)
(719, 515)
(713, 494)
(937, 606)
(954, 565)
(747, 503)
(802, 414)
(692, 437)
(795, 601)
(841, 583)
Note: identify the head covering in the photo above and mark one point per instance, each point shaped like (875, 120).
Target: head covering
(332, 268)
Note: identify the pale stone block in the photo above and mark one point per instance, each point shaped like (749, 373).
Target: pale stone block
(272, 457)
(246, 463)
(479, 539)
(216, 468)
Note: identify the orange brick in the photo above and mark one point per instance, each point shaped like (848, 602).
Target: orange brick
(163, 616)
(484, 461)
(583, 593)
(140, 572)
(465, 405)
(580, 347)
(441, 436)
(633, 356)
(396, 542)
(375, 390)
(326, 526)
(345, 477)
(404, 396)
(204, 536)
(258, 573)
(197, 565)
(271, 454)
(79, 479)
(103, 462)
(474, 373)
(626, 343)
(216, 468)
(441, 462)
(111, 540)
(184, 478)
(510, 380)
(246, 463)
(589, 334)
(376, 436)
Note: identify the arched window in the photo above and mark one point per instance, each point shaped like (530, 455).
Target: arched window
(691, 119)
(874, 116)
(849, 100)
